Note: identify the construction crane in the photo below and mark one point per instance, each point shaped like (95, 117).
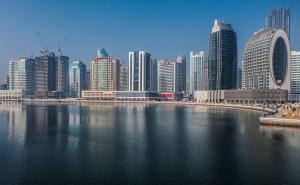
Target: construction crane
(61, 46)
(45, 48)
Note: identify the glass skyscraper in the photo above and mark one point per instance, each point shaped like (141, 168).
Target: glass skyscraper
(181, 73)
(279, 19)
(139, 77)
(21, 75)
(45, 74)
(77, 79)
(62, 75)
(198, 71)
(123, 77)
(222, 57)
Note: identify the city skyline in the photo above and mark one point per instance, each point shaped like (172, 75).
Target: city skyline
(118, 16)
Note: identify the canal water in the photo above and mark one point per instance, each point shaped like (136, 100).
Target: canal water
(143, 144)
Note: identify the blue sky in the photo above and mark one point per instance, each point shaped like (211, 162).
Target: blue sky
(165, 28)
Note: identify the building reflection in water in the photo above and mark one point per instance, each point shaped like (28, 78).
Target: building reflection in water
(142, 144)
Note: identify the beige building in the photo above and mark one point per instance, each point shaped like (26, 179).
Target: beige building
(105, 72)
(99, 95)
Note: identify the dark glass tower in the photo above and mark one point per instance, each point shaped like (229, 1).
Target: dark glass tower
(222, 57)
(279, 19)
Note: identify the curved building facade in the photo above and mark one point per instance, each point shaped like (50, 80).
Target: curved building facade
(267, 60)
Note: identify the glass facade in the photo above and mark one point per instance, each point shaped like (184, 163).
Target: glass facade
(77, 79)
(181, 73)
(198, 71)
(21, 75)
(279, 19)
(139, 78)
(45, 74)
(222, 57)
(62, 75)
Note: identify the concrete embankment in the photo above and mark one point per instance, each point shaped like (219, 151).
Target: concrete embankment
(289, 122)
(80, 101)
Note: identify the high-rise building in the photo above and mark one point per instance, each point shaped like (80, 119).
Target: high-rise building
(239, 80)
(139, 77)
(62, 75)
(198, 71)
(267, 60)
(77, 78)
(105, 72)
(153, 77)
(222, 57)
(167, 76)
(21, 75)
(295, 73)
(181, 73)
(88, 80)
(279, 19)
(124, 77)
(45, 74)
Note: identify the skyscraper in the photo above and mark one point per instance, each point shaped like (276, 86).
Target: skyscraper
(181, 73)
(45, 74)
(222, 57)
(77, 78)
(167, 76)
(295, 73)
(124, 77)
(139, 77)
(198, 71)
(239, 80)
(267, 60)
(153, 76)
(62, 75)
(279, 19)
(105, 72)
(88, 79)
(21, 75)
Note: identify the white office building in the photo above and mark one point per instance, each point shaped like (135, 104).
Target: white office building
(295, 75)
(139, 76)
(167, 76)
(198, 71)
(267, 60)
(21, 75)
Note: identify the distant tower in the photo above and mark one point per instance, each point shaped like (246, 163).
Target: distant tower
(123, 77)
(21, 75)
(279, 19)
(139, 77)
(222, 57)
(62, 75)
(45, 74)
(167, 76)
(198, 71)
(181, 73)
(77, 79)
(105, 72)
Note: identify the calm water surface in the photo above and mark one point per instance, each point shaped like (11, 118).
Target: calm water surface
(143, 144)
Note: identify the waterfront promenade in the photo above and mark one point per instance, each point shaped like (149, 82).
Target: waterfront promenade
(256, 107)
